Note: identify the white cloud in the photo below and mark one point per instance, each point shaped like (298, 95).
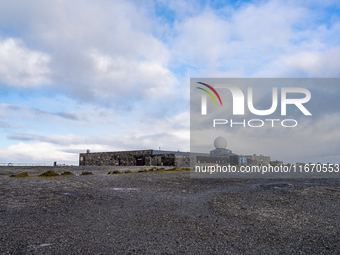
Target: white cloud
(98, 51)
(268, 24)
(246, 36)
(22, 67)
(261, 39)
(66, 149)
(118, 75)
(35, 153)
(315, 64)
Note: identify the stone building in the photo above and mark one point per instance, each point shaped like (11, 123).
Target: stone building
(135, 158)
(255, 160)
(220, 155)
(276, 163)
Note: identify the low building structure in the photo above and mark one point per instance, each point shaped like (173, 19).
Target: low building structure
(255, 160)
(276, 163)
(135, 158)
(238, 160)
(219, 156)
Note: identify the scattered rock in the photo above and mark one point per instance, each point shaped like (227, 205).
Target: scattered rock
(44, 244)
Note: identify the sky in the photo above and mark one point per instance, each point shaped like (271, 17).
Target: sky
(114, 75)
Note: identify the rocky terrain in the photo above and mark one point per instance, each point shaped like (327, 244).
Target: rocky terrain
(167, 213)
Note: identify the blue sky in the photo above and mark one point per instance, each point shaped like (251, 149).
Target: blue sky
(114, 75)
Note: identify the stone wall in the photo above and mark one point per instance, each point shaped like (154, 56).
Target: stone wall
(118, 158)
(182, 160)
(132, 158)
(161, 160)
(258, 160)
(147, 158)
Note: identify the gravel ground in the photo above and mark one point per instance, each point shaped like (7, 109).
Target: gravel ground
(167, 213)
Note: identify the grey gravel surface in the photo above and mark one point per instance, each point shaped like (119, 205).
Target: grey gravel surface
(167, 213)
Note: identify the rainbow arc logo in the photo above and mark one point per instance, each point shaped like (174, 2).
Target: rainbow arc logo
(209, 93)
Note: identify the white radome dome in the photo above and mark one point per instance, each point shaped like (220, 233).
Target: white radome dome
(220, 143)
